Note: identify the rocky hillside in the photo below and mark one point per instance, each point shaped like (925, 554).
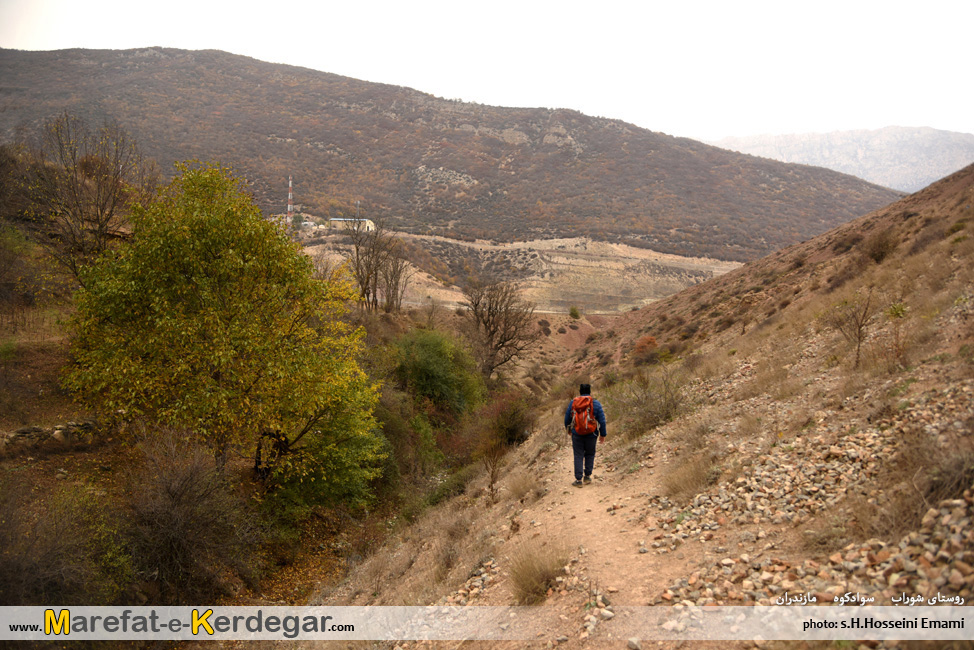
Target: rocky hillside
(434, 166)
(766, 458)
(906, 159)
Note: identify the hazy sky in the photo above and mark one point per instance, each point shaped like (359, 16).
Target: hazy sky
(699, 69)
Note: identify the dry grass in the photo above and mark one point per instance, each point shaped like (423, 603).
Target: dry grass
(524, 486)
(748, 426)
(712, 366)
(534, 565)
(693, 434)
(426, 560)
(919, 477)
(772, 379)
(828, 535)
(691, 476)
(33, 324)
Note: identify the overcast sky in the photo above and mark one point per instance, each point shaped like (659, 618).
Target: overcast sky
(698, 69)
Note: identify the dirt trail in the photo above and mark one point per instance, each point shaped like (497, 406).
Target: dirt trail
(610, 525)
(601, 521)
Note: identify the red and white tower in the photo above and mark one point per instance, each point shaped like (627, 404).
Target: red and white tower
(290, 201)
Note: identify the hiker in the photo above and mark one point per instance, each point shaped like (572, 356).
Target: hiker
(585, 420)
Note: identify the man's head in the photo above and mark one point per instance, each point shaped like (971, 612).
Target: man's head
(585, 389)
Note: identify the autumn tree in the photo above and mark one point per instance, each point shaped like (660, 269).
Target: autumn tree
(211, 320)
(501, 322)
(85, 182)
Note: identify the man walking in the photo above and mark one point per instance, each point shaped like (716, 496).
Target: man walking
(585, 420)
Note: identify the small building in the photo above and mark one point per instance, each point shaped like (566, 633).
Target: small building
(351, 224)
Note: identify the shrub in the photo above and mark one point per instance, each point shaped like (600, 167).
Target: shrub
(924, 239)
(503, 423)
(846, 242)
(436, 366)
(491, 454)
(66, 549)
(454, 485)
(649, 400)
(574, 313)
(689, 331)
(921, 475)
(852, 319)
(510, 416)
(189, 529)
(646, 351)
(955, 228)
(880, 246)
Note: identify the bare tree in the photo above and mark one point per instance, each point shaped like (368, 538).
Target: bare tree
(366, 257)
(378, 264)
(852, 319)
(502, 322)
(86, 182)
(396, 273)
(431, 312)
(325, 267)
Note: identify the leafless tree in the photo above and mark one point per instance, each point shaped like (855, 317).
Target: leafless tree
(396, 273)
(86, 182)
(378, 264)
(502, 322)
(325, 267)
(431, 310)
(852, 319)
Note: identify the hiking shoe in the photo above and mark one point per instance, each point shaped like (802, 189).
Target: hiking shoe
(588, 479)
(577, 483)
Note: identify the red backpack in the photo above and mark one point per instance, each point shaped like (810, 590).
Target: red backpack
(583, 416)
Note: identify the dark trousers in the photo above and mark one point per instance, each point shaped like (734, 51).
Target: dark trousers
(584, 449)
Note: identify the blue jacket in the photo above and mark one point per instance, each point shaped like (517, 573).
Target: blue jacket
(596, 409)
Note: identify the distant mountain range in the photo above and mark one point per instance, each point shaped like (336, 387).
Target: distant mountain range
(431, 165)
(906, 159)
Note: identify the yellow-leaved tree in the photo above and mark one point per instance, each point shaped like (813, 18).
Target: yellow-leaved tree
(211, 320)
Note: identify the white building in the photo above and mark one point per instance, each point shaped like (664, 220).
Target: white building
(367, 224)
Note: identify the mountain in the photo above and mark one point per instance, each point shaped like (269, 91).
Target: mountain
(906, 159)
(434, 166)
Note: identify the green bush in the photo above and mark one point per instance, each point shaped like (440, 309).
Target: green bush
(574, 313)
(435, 366)
(955, 228)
